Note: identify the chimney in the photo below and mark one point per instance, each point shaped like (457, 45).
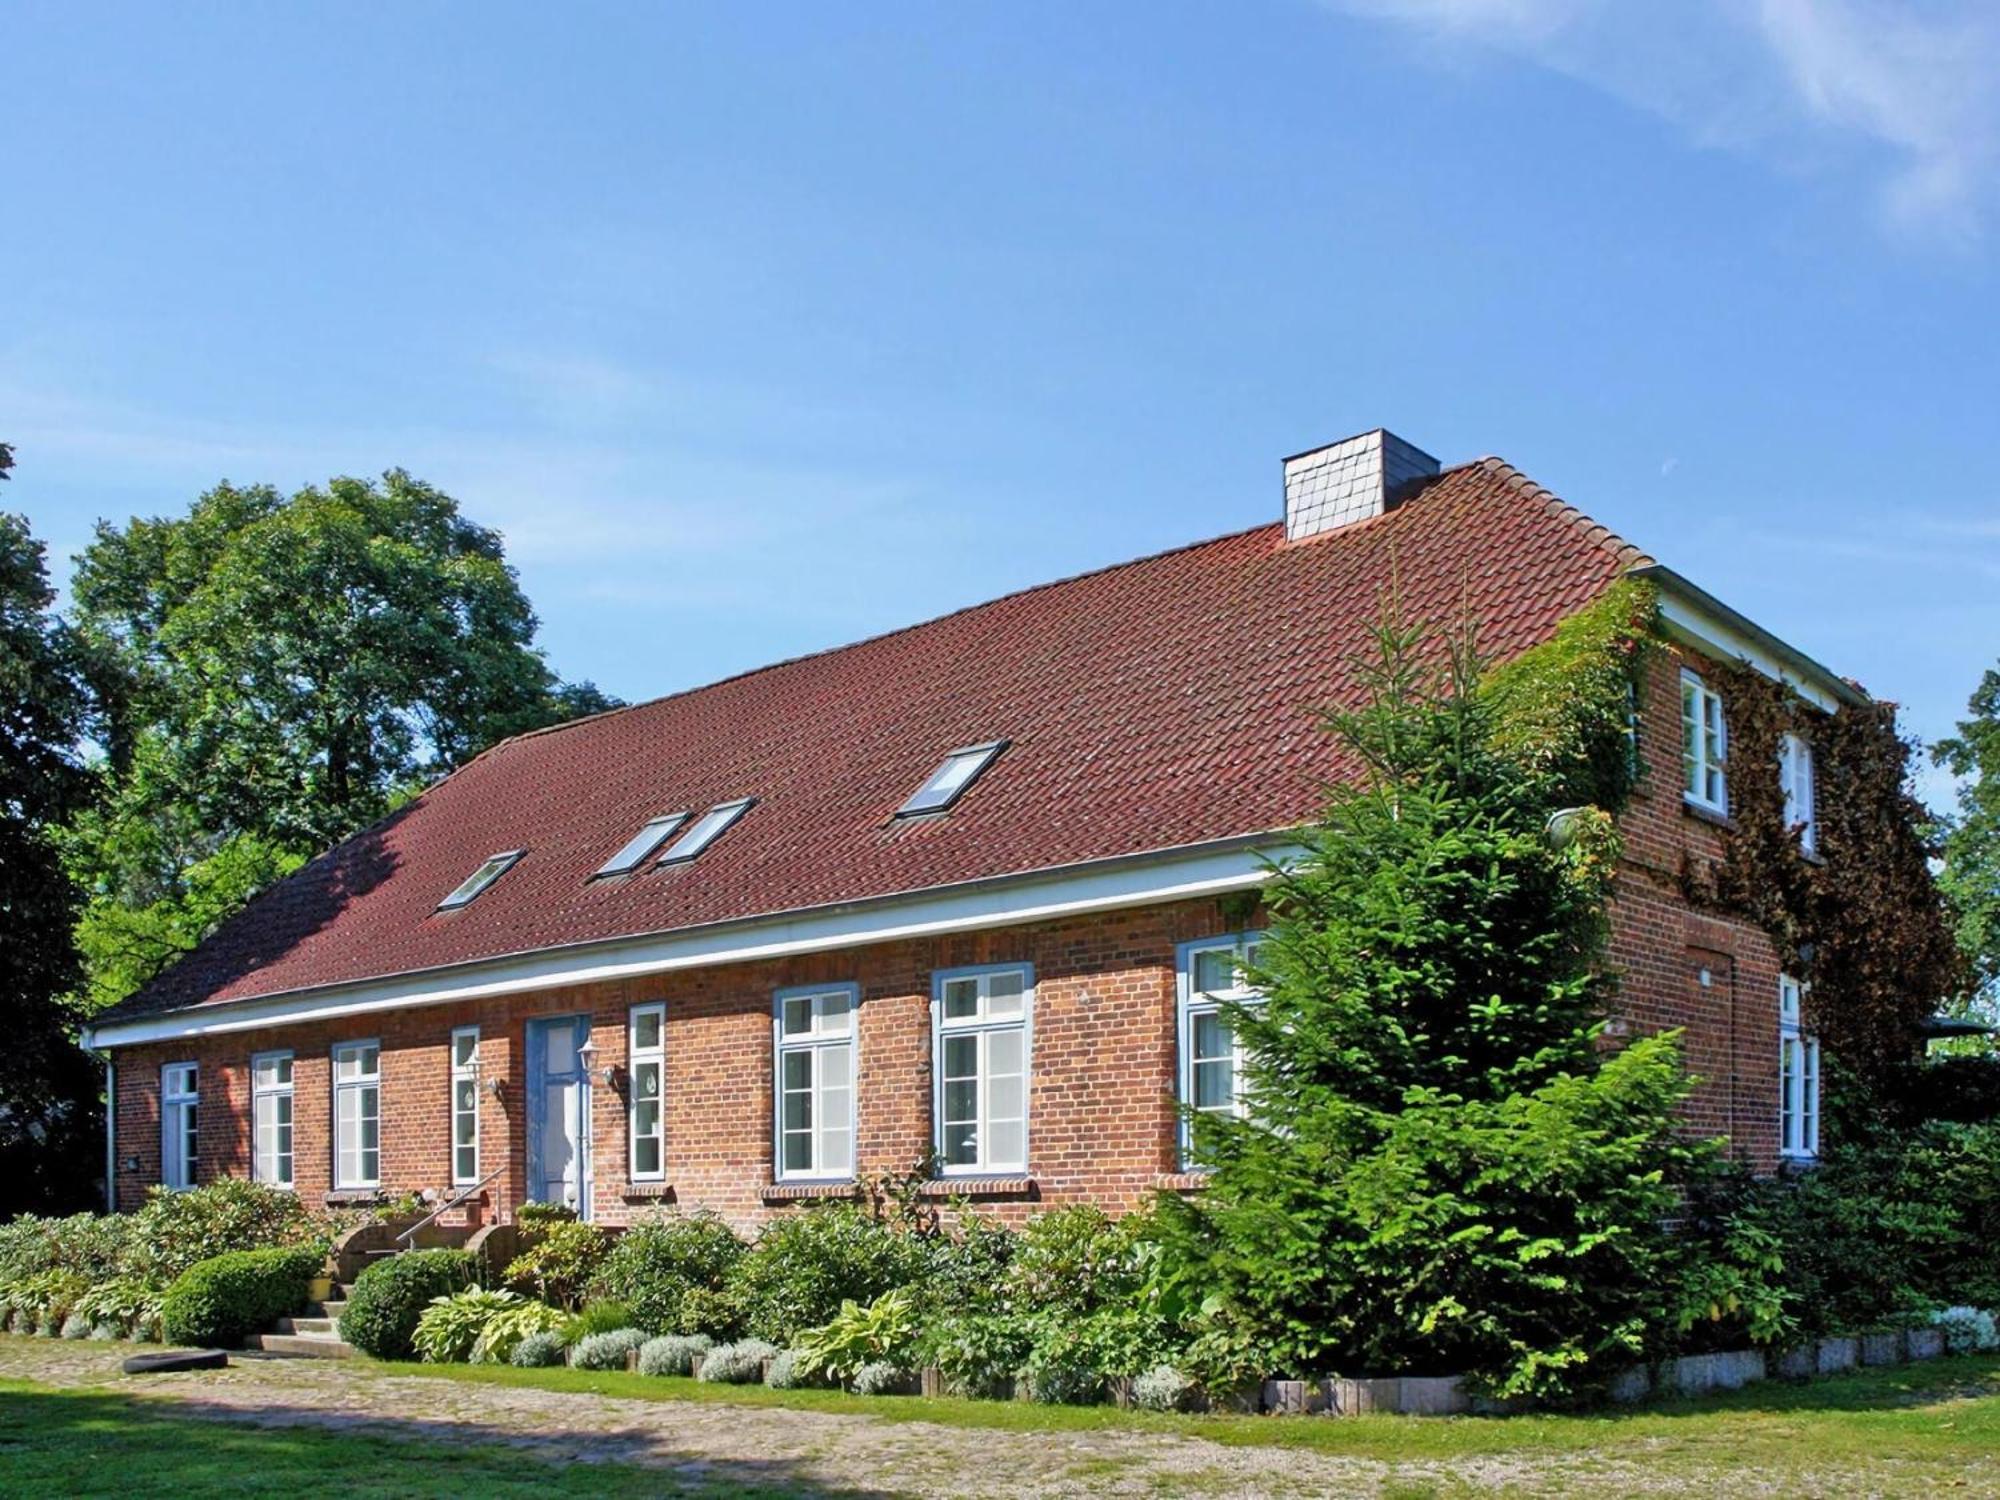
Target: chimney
(1351, 480)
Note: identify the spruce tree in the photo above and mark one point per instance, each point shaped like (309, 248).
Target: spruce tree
(1439, 1168)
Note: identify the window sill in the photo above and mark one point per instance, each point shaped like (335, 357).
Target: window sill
(1704, 814)
(804, 1192)
(978, 1187)
(1181, 1182)
(354, 1198)
(647, 1192)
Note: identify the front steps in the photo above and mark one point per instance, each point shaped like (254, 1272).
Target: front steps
(314, 1334)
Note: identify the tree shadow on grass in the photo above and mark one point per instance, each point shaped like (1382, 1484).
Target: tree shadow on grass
(97, 1443)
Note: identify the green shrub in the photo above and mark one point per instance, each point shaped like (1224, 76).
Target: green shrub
(979, 1353)
(1163, 1388)
(606, 1351)
(538, 1351)
(44, 1299)
(659, 1263)
(88, 1245)
(598, 1317)
(390, 1296)
(857, 1335)
(222, 1300)
(803, 1267)
(1074, 1260)
(562, 1264)
(1058, 1381)
(123, 1303)
(672, 1353)
(543, 1215)
(740, 1363)
(506, 1329)
(449, 1329)
(971, 1270)
(173, 1230)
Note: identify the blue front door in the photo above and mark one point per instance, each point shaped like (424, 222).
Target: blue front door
(559, 1113)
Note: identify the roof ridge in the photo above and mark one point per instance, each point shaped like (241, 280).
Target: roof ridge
(1533, 488)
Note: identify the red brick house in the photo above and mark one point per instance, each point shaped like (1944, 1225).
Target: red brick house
(972, 887)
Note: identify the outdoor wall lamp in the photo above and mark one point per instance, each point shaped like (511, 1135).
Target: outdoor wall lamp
(497, 1087)
(587, 1056)
(1562, 828)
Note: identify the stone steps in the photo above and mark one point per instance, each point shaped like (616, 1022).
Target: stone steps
(302, 1345)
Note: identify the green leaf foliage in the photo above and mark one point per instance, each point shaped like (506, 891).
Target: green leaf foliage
(855, 1335)
(1971, 870)
(451, 1327)
(221, 1301)
(390, 1297)
(658, 1262)
(562, 1263)
(804, 1266)
(173, 1230)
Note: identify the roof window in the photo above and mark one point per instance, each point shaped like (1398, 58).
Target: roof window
(475, 884)
(709, 827)
(948, 782)
(644, 842)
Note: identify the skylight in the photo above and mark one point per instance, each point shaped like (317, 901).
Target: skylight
(474, 884)
(709, 827)
(948, 783)
(643, 843)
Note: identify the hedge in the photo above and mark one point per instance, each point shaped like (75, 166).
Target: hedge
(388, 1298)
(226, 1298)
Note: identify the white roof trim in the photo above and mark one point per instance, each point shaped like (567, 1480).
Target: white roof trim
(1174, 875)
(1699, 619)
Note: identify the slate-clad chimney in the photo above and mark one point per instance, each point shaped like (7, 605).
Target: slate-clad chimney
(1351, 480)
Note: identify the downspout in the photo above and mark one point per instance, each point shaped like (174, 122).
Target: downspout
(110, 1135)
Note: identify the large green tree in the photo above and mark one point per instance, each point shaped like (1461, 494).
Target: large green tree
(48, 1087)
(1438, 1169)
(273, 673)
(1971, 870)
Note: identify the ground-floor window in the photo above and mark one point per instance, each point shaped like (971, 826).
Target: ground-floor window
(981, 1019)
(465, 1105)
(1213, 977)
(179, 1097)
(815, 1072)
(357, 1115)
(271, 1118)
(1798, 1075)
(646, 1061)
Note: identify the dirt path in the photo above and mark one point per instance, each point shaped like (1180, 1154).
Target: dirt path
(825, 1453)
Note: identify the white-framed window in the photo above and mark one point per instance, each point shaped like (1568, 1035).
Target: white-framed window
(357, 1115)
(1213, 976)
(464, 1105)
(1704, 745)
(180, 1097)
(1798, 1075)
(814, 1030)
(981, 1046)
(271, 1118)
(948, 782)
(1795, 776)
(646, 1065)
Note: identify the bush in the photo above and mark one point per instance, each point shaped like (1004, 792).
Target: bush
(1163, 1388)
(561, 1265)
(881, 1378)
(971, 1271)
(224, 1299)
(450, 1327)
(741, 1363)
(76, 1326)
(44, 1299)
(543, 1215)
(782, 1374)
(599, 1317)
(124, 1304)
(537, 1351)
(802, 1268)
(504, 1331)
(1056, 1380)
(606, 1351)
(979, 1354)
(88, 1245)
(174, 1230)
(857, 1335)
(672, 1353)
(1074, 1260)
(390, 1296)
(658, 1264)
(1967, 1330)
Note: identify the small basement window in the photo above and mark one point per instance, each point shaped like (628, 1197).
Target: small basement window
(476, 883)
(707, 829)
(642, 844)
(948, 783)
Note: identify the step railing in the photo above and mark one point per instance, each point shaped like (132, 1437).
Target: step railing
(407, 1238)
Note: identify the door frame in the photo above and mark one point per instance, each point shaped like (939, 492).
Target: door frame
(537, 1047)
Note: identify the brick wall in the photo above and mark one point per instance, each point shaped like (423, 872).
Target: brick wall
(1102, 1121)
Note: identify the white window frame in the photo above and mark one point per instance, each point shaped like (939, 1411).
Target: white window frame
(463, 1072)
(951, 780)
(816, 1043)
(1704, 745)
(356, 1088)
(983, 1025)
(284, 1162)
(1798, 780)
(1197, 1005)
(705, 830)
(180, 1125)
(1798, 1076)
(481, 879)
(645, 1057)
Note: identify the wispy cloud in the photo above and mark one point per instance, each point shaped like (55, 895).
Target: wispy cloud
(1899, 90)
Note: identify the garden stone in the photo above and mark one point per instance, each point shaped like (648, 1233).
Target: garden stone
(1925, 1343)
(1433, 1396)
(1350, 1398)
(1698, 1374)
(1837, 1354)
(1800, 1362)
(1634, 1384)
(1882, 1348)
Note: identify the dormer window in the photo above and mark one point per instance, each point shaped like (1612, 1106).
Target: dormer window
(475, 884)
(948, 783)
(709, 827)
(642, 844)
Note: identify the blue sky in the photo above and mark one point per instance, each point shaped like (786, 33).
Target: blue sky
(759, 329)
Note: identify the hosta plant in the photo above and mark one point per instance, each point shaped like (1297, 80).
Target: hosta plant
(451, 1326)
(504, 1331)
(857, 1335)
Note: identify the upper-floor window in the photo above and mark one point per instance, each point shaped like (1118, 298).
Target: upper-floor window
(981, 1051)
(815, 1072)
(271, 1118)
(357, 1115)
(1704, 745)
(465, 1105)
(1213, 976)
(1795, 775)
(1798, 1075)
(179, 1097)
(646, 1062)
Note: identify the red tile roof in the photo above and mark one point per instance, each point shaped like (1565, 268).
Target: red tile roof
(1163, 702)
